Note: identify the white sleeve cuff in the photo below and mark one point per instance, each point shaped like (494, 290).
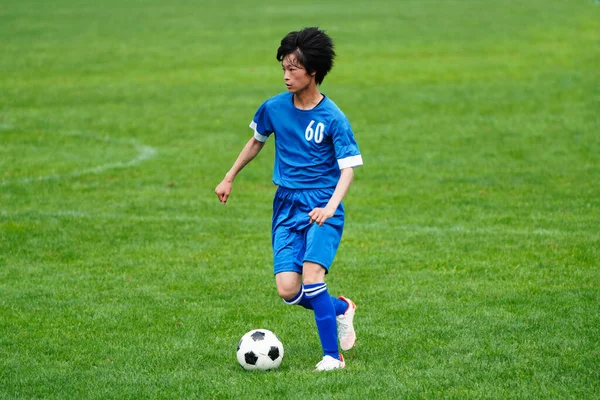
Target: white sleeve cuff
(350, 162)
(257, 136)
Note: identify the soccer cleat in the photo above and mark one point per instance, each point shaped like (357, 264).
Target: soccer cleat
(346, 333)
(329, 363)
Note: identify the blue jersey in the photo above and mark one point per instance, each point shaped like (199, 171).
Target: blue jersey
(311, 146)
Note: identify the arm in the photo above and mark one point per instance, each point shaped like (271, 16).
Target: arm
(319, 215)
(250, 150)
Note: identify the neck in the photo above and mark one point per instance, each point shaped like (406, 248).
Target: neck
(308, 98)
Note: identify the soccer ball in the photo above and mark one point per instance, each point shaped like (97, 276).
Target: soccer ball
(260, 349)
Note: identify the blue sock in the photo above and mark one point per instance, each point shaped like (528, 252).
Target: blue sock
(340, 305)
(324, 316)
(300, 299)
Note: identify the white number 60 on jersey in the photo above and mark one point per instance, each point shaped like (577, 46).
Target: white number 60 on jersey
(316, 133)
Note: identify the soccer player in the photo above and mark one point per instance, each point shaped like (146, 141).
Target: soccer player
(315, 153)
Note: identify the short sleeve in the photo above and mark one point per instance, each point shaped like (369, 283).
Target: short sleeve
(261, 123)
(346, 150)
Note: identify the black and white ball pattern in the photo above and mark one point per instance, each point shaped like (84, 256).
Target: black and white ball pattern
(260, 349)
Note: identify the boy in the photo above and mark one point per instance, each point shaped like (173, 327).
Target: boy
(315, 155)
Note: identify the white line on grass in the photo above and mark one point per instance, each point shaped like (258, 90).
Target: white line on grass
(462, 229)
(144, 153)
(356, 227)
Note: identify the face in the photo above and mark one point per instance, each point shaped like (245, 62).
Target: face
(295, 76)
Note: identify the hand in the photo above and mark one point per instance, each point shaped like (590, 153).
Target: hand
(320, 215)
(223, 190)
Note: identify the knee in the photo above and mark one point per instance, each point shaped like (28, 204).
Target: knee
(288, 284)
(287, 290)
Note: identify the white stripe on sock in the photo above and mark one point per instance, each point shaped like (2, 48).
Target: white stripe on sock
(296, 299)
(315, 291)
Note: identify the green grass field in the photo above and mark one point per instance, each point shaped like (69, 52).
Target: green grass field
(472, 243)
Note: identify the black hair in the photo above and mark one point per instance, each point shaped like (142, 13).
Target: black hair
(312, 47)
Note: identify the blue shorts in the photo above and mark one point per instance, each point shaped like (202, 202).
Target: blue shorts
(295, 240)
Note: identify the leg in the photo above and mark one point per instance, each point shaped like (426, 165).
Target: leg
(316, 291)
(322, 246)
(343, 308)
(313, 273)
